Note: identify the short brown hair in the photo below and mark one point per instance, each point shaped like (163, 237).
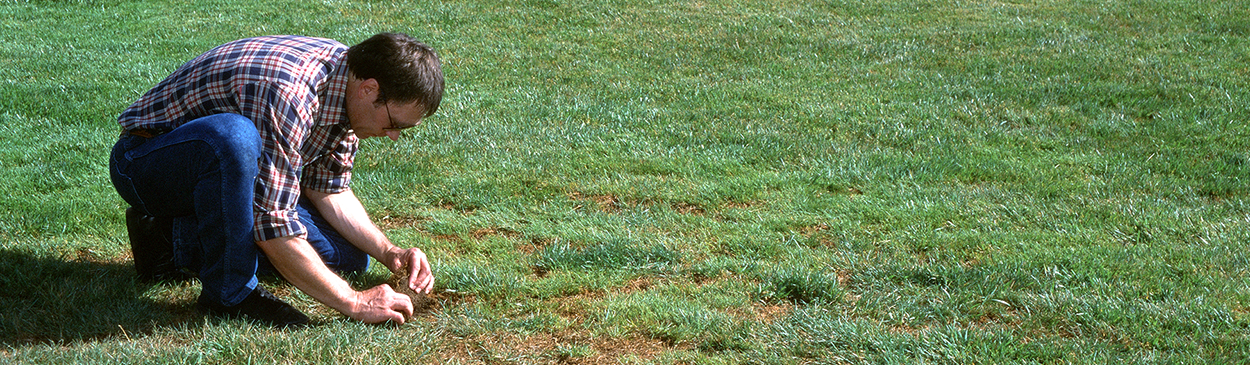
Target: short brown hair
(406, 69)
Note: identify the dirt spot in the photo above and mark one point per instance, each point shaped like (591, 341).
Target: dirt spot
(423, 304)
(816, 232)
(813, 229)
(554, 348)
(844, 277)
(703, 279)
(494, 231)
(540, 271)
(904, 329)
(611, 350)
(388, 222)
(607, 203)
(536, 244)
(639, 284)
(1008, 318)
(687, 208)
(463, 210)
(740, 205)
(771, 312)
(92, 256)
(574, 307)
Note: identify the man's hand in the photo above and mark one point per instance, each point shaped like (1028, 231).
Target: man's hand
(381, 304)
(344, 211)
(420, 277)
(300, 265)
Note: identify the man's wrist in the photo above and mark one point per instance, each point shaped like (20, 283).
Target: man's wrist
(353, 305)
(394, 258)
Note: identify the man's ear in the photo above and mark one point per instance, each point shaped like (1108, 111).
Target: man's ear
(367, 89)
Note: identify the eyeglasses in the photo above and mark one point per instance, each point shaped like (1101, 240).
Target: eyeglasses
(393, 126)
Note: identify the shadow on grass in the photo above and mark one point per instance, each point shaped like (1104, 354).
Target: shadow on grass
(61, 300)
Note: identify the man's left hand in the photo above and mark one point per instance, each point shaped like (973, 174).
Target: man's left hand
(420, 277)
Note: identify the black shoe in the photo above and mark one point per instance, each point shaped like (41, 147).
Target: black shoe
(152, 245)
(261, 307)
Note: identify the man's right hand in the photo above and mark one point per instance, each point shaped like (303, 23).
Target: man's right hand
(380, 304)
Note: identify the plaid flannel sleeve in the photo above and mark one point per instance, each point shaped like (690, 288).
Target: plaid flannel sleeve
(330, 171)
(283, 113)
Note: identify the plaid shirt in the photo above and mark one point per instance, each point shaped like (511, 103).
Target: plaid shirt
(294, 89)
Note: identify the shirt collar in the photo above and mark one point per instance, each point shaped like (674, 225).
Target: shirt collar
(333, 96)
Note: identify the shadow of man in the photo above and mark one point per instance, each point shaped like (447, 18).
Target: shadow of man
(47, 299)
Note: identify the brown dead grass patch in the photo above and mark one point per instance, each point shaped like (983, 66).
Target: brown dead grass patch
(388, 222)
(844, 277)
(687, 208)
(740, 205)
(771, 312)
(608, 203)
(95, 257)
(574, 307)
(816, 231)
(481, 233)
(813, 229)
(545, 348)
(463, 210)
(536, 244)
(639, 284)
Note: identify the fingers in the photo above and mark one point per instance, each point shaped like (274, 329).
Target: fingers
(396, 317)
(396, 302)
(423, 284)
(386, 305)
(428, 282)
(403, 306)
(421, 278)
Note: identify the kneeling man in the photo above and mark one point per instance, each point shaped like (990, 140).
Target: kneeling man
(240, 162)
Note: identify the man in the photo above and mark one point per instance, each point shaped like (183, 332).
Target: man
(240, 162)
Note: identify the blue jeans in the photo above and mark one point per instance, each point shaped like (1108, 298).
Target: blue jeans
(203, 174)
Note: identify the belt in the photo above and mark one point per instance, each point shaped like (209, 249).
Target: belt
(146, 132)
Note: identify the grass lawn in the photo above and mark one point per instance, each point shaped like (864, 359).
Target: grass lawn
(712, 182)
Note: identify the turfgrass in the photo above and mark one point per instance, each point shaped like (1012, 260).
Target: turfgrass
(697, 182)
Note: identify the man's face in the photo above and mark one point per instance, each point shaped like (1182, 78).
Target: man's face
(369, 118)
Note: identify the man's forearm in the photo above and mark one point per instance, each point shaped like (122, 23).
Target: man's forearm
(299, 264)
(348, 216)
(296, 260)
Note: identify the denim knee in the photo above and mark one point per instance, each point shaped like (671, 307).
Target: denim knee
(235, 137)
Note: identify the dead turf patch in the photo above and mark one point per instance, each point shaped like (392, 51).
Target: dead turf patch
(607, 203)
(481, 233)
(771, 312)
(536, 244)
(740, 205)
(548, 348)
(389, 222)
(810, 230)
(687, 208)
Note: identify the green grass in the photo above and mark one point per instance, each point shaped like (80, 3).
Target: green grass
(695, 182)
